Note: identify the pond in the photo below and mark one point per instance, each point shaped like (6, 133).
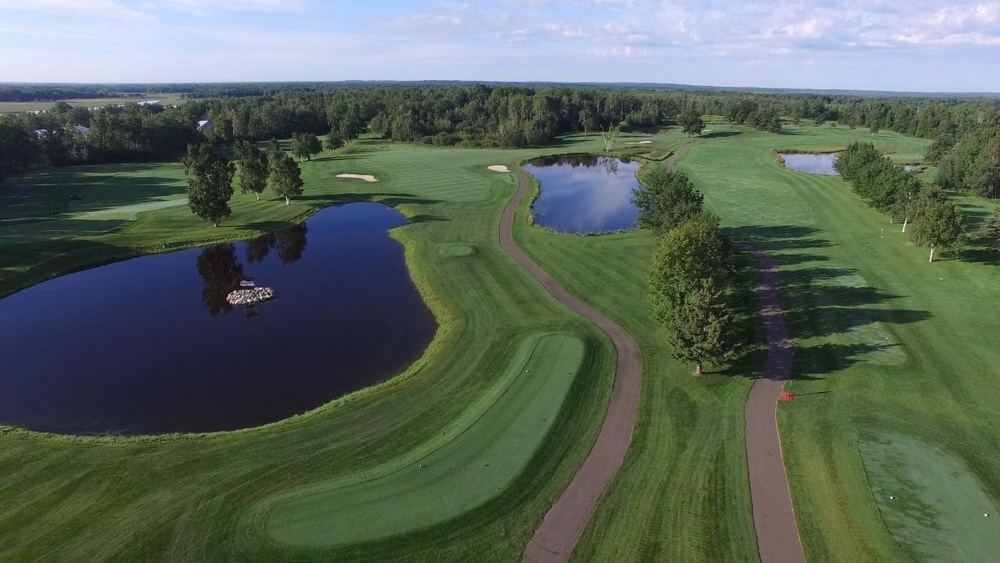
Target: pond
(585, 193)
(811, 163)
(151, 345)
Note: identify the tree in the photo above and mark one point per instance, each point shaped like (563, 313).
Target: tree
(692, 252)
(703, 327)
(609, 137)
(285, 178)
(304, 145)
(666, 200)
(937, 224)
(253, 168)
(691, 123)
(210, 183)
(907, 194)
(991, 229)
(273, 150)
(334, 140)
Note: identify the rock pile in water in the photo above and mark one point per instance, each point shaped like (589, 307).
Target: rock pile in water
(250, 295)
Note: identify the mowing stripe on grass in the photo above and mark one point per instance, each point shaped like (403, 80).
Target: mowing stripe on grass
(475, 462)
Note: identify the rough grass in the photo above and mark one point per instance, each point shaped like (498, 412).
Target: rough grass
(885, 343)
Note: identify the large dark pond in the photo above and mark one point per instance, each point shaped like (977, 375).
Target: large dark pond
(812, 163)
(151, 345)
(585, 193)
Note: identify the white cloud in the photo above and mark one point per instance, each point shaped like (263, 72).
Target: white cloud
(90, 9)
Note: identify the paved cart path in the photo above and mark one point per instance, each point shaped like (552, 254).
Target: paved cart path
(773, 516)
(565, 521)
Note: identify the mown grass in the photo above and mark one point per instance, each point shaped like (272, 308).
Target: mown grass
(885, 343)
(481, 453)
(201, 497)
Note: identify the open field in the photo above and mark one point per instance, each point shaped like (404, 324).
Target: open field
(16, 107)
(875, 331)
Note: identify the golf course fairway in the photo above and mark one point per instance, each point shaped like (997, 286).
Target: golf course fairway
(888, 348)
(478, 455)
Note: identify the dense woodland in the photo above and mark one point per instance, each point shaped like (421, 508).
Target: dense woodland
(966, 131)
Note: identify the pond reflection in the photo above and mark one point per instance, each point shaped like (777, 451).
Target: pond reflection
(821, 164)
(128, 348)
(585, 193)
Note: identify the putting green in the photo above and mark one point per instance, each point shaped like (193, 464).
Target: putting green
(472, 461)
(932, 504)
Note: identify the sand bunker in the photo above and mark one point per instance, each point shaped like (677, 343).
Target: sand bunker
(499, 168)
(641, 143)
(365, 177)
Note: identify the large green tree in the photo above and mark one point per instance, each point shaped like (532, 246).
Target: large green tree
(210, 183)
(688, 282)
(304, 145)
(691, 122)
(938, 224)
(666, 200)
(686, 255)
(991, 229)
(253, 168)
(703, 327)
(285, 178)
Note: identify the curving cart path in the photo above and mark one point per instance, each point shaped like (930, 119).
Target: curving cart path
(565, 521)
(773, 516)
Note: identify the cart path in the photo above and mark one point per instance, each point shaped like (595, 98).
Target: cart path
(566, 520)
(773, 516)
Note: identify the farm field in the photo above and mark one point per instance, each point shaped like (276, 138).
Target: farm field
(16, 107)
(875, 329)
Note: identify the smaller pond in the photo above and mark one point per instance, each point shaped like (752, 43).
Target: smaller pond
(583, 193)
(812, 163)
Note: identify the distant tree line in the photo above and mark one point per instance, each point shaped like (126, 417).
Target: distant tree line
(966, 131)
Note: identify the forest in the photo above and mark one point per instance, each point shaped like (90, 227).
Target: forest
(966, 131)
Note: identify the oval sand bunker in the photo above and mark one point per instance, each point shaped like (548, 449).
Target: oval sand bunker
(499, 168)
(365, 177)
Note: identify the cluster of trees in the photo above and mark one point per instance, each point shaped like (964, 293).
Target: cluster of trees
(67, 135)
(892, 191)
(764, 116)
(692, 282)
(210, 176)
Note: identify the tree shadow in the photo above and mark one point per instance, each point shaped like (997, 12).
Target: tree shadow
(720, 134)
(427, 218)
(821, 301)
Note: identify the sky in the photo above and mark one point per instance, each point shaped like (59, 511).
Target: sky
(913, 45)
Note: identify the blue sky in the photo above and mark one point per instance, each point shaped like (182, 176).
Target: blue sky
(917, 45)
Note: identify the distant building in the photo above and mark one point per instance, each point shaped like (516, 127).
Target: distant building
(204, 126)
